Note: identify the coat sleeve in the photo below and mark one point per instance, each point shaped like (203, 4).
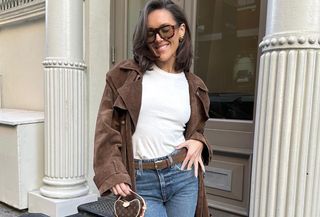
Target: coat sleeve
(108, 165)
(198, 134)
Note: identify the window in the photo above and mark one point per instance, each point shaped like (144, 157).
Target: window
(226, 49)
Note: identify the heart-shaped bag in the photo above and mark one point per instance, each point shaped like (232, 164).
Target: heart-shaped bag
(130, 208)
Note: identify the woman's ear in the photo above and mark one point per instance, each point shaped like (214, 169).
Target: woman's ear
(182, 30)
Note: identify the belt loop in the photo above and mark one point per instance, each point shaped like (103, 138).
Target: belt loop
(170, 160)
(140, 166)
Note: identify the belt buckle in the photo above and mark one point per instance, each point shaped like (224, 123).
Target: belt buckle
(156, 163)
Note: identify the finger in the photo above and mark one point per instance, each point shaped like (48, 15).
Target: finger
(125, 188)
(114, 191)
(119, 190)
(187, 159)
(202, 165)
(196, 166)
(184, 163)
(191, 161)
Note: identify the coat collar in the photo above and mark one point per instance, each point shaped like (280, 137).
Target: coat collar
(192, 78)
(195, 82)
(130, 92)
(131, 65)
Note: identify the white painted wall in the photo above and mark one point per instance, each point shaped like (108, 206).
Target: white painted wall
(22, 51)
(21, 55)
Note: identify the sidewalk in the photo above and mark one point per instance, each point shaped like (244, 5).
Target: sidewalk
(7, 211)
(102, 207)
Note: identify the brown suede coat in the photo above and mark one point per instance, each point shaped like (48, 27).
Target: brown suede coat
(116, 122)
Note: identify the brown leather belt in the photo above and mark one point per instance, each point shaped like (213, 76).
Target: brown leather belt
(165, 163)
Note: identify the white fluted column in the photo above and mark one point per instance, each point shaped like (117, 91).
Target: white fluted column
(65, 101)
(65, 129)
(286, 171)
(65, 110)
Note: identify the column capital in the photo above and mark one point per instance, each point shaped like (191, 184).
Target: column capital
(54, 62)
(291, 40)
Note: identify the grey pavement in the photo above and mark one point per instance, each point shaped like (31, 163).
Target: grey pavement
(7, 211)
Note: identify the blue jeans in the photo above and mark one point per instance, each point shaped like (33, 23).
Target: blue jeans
(169, 192)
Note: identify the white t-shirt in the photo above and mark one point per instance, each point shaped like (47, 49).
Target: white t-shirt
(165, 110)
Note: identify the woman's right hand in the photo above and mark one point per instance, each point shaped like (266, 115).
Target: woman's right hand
(122, 189)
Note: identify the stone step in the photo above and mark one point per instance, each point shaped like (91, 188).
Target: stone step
(33, 215)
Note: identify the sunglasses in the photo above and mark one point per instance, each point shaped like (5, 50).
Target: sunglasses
(165, 32)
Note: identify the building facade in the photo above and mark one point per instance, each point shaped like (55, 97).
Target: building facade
(259, 59)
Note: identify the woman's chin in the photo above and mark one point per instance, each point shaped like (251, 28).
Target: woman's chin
(163, 58)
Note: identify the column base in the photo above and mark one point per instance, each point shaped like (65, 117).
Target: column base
(64, 192)
(57, 207)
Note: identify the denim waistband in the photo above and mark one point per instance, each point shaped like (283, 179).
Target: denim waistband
(157, 159)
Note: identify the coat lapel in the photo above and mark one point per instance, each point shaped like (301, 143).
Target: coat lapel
(130, 92)
(197, 101)
(192, 105)
(131, 95)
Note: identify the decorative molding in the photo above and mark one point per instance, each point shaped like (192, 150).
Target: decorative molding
(64, 63)
(15, 11)
(297, 40)
(219, 178)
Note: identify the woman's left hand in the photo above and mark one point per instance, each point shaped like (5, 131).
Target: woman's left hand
(193, 156)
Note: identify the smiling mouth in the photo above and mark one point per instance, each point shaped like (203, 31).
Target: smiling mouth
(161, 47)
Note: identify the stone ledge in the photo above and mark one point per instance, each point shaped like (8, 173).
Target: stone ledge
(15, 117)
(57, 207)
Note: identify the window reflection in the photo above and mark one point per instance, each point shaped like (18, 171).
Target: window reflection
(226, 55)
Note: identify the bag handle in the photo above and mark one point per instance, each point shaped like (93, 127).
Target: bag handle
(137, 195)
(144, 205)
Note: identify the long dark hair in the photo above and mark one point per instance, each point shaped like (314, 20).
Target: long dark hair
(141, 52)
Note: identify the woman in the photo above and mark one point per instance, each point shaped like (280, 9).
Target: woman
(149, 133)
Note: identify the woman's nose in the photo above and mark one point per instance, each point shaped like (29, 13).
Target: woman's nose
(158, 37)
